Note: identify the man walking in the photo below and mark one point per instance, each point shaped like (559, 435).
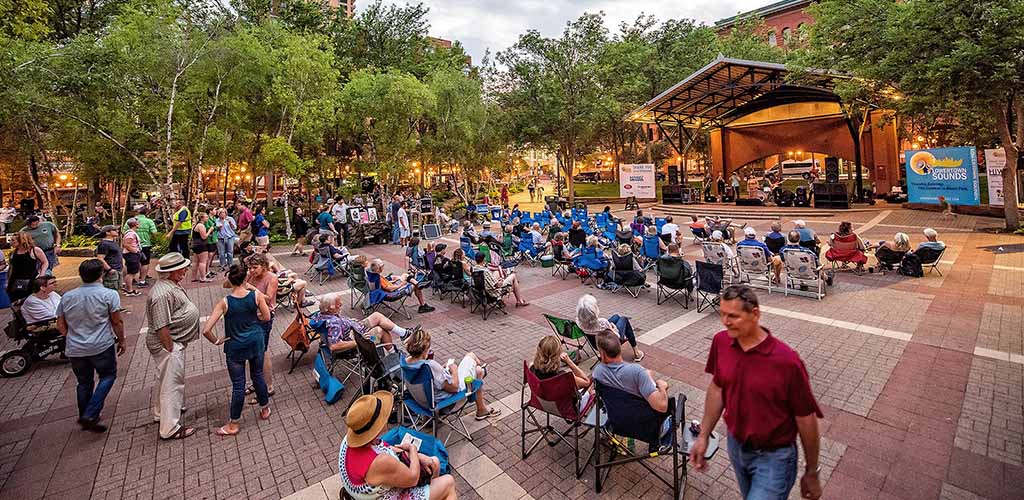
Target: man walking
(47, 237)
(245, 218)
(145, 230)
(762, 386)
(89, 317)
(173, 323)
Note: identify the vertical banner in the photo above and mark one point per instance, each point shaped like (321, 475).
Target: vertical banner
(995, 162)
(636, 180)
(948, 172)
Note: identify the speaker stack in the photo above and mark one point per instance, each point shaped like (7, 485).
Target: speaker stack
(673, 174)
(831, 170)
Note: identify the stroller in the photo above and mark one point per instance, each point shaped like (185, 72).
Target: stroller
(37, 341)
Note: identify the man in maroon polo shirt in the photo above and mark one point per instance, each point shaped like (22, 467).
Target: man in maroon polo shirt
(763, 388)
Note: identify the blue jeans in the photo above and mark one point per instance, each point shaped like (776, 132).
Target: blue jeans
(763, 475)
(90, 394)
(226, 251)
(395, 233)
(51, 261)
(236, 370)
(625, 328)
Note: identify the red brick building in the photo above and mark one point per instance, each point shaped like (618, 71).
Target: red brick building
(783, 19)
(350, 6)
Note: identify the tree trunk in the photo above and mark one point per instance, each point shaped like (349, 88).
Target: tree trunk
(1012, 151)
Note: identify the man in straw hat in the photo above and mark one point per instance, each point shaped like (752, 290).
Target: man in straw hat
(370, 468)
(173, 323)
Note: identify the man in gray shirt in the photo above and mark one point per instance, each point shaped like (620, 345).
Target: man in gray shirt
(90, 318)
(629, 377)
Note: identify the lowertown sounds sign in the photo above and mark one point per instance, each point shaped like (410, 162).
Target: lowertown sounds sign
(949, 172)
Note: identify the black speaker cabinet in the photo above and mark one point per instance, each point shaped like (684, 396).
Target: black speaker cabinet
(831, 195)
(672, 193)
(831, 169)
(673, 174)
(749, 202)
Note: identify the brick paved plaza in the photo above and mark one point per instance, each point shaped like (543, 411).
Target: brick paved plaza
(920, 381)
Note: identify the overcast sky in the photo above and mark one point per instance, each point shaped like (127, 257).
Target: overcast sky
(497, 24)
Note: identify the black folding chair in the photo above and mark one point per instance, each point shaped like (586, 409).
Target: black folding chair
(930, 258)
(675, 278)
(381, 369)
(561, 265)
(623, 274)
(709, 285)
(483, 301)
(631, 417)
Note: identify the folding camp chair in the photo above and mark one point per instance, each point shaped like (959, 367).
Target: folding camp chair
(573, 340)
(467, 248)
(675, 278)
(631, 417)
(802, 273)
(714, 253)
(360, 290)
(591, 260)
(323, 266)
(650, 250)
(331, 386)
(754, 269)
(557, 396)
(378, 298)
(709, 285)
(381, 368)
(299, 335)
(483, 301)
(624, 275)
(348, 361)
(930, 258)
(561, 265)
(528, 249)
(422, 408)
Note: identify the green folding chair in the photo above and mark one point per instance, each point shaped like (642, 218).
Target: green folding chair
(572, 337)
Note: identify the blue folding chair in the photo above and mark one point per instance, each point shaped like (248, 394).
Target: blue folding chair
(467, 248)
(590, 260)
(379, 298)
(331, 386)
(422, 408)
(658, 223)
(650, 250)
(527, 250)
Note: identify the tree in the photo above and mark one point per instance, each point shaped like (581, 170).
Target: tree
(940, 59)
(552, 88)
(384, 111)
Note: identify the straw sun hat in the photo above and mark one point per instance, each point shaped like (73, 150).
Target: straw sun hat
(368, 417)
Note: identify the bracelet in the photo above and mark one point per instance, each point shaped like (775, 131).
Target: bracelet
(815, 472)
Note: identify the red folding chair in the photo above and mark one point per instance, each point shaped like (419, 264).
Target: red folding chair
(555, 396)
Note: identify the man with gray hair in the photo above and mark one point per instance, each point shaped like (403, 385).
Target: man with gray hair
(173, 324)
(932, 240)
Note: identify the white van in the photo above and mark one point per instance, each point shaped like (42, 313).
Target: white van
(795, 169)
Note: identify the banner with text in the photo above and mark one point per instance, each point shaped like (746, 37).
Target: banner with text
(995, 162)
(949, 172)
(636, 180)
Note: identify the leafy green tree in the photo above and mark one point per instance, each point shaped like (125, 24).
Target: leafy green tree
(553, 92)
(940, 60)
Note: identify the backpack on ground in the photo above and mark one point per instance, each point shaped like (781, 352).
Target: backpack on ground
(911, 266)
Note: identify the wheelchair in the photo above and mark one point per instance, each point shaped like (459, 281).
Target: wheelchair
(36, 342)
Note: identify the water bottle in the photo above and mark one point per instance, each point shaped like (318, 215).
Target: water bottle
(469, 385)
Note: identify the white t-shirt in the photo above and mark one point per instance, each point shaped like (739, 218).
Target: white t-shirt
(342, 216)
(670, 228)
(337, 212)
(35, 309)
(403, 219)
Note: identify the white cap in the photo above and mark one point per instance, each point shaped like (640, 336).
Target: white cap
(749, 231)
(717, 235)
(931, 233)
(800, 223)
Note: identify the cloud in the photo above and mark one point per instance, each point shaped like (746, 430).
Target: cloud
(496, 24)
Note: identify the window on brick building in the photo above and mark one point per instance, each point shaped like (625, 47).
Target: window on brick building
(772, 40)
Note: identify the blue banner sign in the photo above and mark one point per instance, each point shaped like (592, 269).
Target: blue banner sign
(948, 172)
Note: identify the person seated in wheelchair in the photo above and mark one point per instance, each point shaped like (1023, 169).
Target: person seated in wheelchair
(846, 247)
(698, 228)
(401, 286)
(631, 378)
(498, 281)
(794, 245)
(450, 378)
(890, 253)
(39, 310)
(375, 327)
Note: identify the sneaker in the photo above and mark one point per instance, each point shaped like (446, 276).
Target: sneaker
(425, 308)
(141, 284)
(410, 331)
(307, 303)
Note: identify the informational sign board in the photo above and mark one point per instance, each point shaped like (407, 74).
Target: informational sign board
(636, 180)
(995, 162)
(948, 172)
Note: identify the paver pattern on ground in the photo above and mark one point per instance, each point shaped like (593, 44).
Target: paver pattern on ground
(921, 382)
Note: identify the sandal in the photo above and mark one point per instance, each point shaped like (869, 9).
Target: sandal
(222, 431)
(182, 433)
(250, 390)
(491, 412)
(639, 356)
(265, 413)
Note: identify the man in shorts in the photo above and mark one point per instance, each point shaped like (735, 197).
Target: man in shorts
(340, 327)
(112, 258)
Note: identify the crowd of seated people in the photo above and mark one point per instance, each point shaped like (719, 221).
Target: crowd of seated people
(340, 327)
(498, 279)
(397, 287)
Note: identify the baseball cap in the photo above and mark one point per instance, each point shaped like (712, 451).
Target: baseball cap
(749, 231)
